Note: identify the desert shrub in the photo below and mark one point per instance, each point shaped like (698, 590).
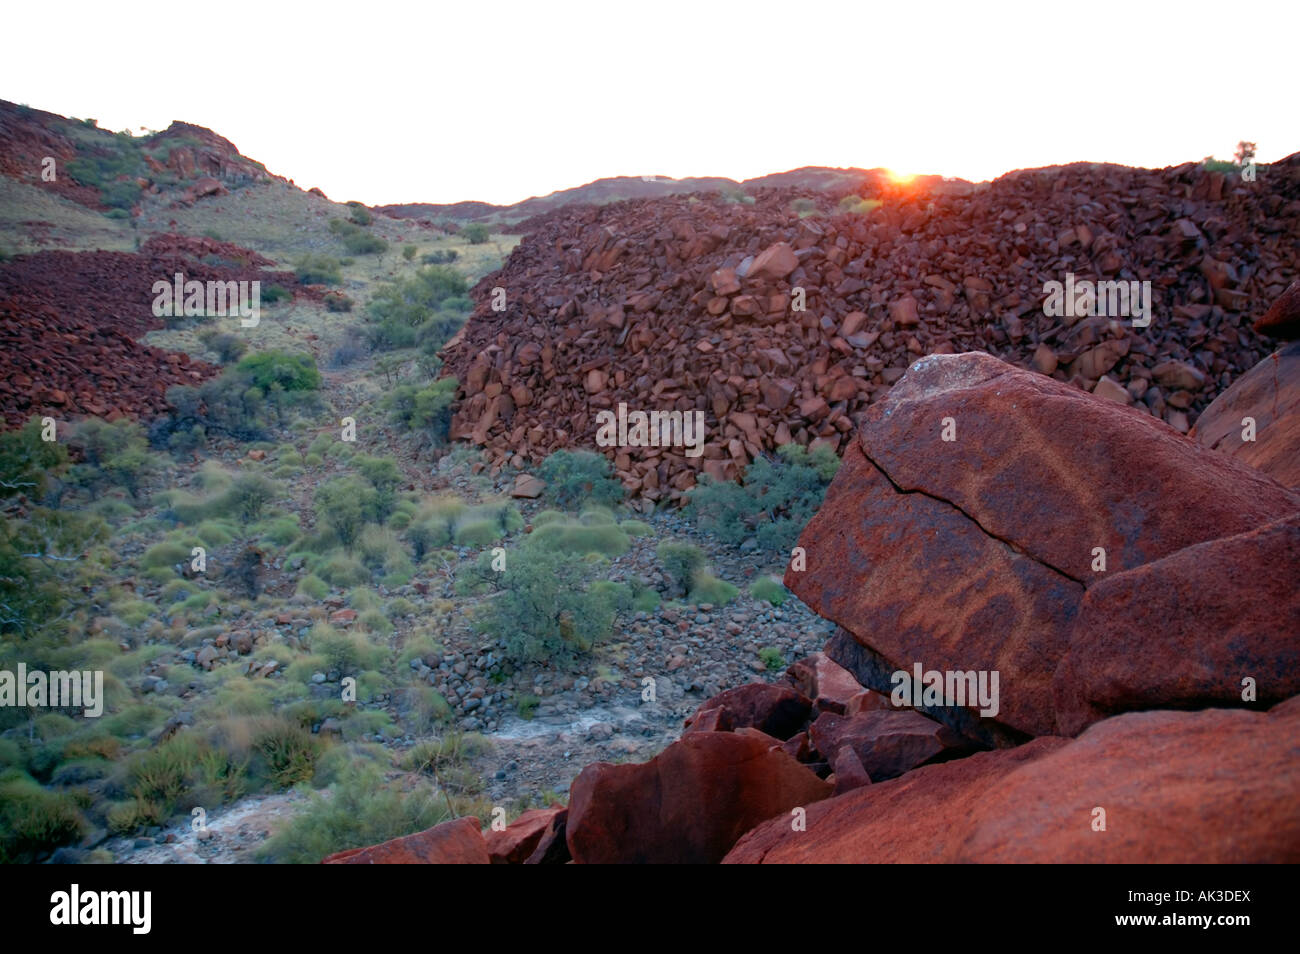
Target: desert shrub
(771, 657)
(768, 589)
(645, 600)
(443, 257)
(355, 239)
(35, 588)
(242, 403)
(856, 205)
(543, 517)
(113, 455)
(374, 621)
(361, 810)
(166, 554)
(576, 478)
(409, 251)
(477, 533)
(708, 588)
(635, 528)
(1210, 164)
(180, 773)
(250, 494)
(544, 612)
(577, 539)
(596, 516)
(347, 652)
(427, 536)
(526, 705)
(351, 348)
(803, 207)
(284, 753)
(34, 821)
(27, 462)
(400, 606)
(359, 214)
(427, 308)
(273, 293)
(425, 409)
(476, 233)
(318, 270)
(343, 571)
(381, 552)
(226, 346)
(361, 243)
(384, 475)
(338, 302)
(478, 578)
(682, 562)
(345, 505)
(778, 497)
(215, 533)
(280, 531)
(291, 372)
(425, 708)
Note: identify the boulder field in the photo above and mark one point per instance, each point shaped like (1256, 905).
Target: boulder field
(780, 326)
(70, 324)
(1119, 602)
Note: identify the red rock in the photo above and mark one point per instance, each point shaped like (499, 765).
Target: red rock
(688, 805)
(887, 743)
(1282, 320)
(903, 312)
(966, 600)
(778, 711)
(725, 282)
(1111, 390)
(1229, 776)
(343, 617)
(1141, 493)
(1177, 374)
(527, 487)
(849, 771)
(828, 684)
(457, 842)
(775, 262)
(517, 841)
(1269, 395)
(919, 818)
(865, 571)
(552, 848)
(1186, 630)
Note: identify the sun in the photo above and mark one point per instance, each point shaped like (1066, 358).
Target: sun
(900, 178)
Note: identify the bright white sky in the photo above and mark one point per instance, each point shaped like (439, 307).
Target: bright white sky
(434, 102)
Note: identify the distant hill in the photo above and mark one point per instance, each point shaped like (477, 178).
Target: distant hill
(107, 171)
(618, 188)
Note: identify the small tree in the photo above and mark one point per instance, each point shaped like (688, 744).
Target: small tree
(574, 478)
(682, 562)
